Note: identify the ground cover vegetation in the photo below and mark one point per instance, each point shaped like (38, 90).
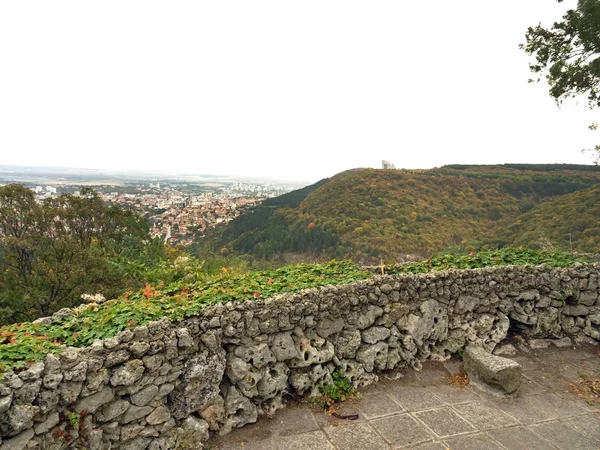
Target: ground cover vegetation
(368, 214)
(22, 343)
(338, 391)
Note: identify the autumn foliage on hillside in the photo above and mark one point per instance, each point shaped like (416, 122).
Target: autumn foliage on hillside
(368, 214)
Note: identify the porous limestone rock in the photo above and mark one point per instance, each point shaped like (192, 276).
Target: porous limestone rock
(346, 344)
(154, 386)
(95, 401)
(200, 381)
(373, 357)
(238, 409)
(312, 351)
(283, 347)
(375, 334)
(18, 442)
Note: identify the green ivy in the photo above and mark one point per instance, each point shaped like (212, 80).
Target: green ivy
(503, 257)
(26, 342)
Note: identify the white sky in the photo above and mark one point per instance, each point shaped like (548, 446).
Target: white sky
(292, 90)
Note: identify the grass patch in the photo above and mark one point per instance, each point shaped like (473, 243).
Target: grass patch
(337, 392)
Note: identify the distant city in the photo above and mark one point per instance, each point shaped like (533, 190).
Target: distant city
(179, 209)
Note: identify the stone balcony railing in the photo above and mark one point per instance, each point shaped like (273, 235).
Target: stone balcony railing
(168, 385)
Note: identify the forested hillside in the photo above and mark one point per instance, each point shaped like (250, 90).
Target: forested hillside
(367, 214)
(569, 222)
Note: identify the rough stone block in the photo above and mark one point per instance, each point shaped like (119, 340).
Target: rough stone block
(494, 373)
(19, 442)
(95, 401)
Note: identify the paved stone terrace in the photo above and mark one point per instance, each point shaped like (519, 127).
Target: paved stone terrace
(423, 410)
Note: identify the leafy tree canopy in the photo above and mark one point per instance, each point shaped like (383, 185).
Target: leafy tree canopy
(54, 251)
(568, 53)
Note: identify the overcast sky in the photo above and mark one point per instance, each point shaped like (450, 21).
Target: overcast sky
(292, 90)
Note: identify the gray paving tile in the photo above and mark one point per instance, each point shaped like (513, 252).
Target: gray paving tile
(589, 407)
(530, 387)
(550, 381)
(402, 430)
(519, 438)
(473, 442)
(563, 436)
(588, 425)
(228, 444)
(444, 422)
(251, 436)
(325, 419)
(454, 395)
(359, 436)
(558, 407)
(428, 446)
(433, 373)
(291, 420)
(527, 363)
(484, 416)
(525, 409)
(315, 440)
(378, 404)
(415, 398)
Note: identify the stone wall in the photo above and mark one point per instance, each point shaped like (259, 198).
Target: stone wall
(166, 385)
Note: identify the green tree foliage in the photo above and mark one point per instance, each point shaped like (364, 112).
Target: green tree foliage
(54, 251)
(568, 54)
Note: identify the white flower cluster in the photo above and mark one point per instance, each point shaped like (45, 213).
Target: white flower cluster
(96, 298)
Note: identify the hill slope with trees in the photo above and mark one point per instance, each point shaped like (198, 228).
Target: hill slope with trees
(368, 214)
(569, 223)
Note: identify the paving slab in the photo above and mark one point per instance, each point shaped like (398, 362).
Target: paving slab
(519, 438)
(444, 422)
(402, 430)
(360, 436)
(325, 419)
(293, 420)
(432, 373)
(473, 442)
(415, 398)
(422, 411)
(484, 416)
(527, 363)
(561, 407)
(250, 437)
(549, 380)
(429, 446)
(530, 387)
(588, 425)
(564, 437)
(316, 440)
(527, 409)
(378, 404)
(453, 395)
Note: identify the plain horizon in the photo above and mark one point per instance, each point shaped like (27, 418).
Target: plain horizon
(281, 91)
